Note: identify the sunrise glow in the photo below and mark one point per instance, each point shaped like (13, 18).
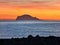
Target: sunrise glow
(41, 9)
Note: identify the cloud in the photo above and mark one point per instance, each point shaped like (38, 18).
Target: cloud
(25, 1)
(33, 2)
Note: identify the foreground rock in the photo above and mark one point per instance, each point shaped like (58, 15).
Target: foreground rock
(26, 17)
(30, 40)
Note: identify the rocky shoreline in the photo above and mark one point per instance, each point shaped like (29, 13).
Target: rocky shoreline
(30, 40)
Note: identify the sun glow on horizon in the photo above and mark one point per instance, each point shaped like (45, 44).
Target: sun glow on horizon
(42, 10)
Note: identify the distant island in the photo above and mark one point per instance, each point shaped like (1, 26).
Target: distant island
(26, 17)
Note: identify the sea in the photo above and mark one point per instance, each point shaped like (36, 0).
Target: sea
(19, 29)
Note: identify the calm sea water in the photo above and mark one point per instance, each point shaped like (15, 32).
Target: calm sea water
(19, 29)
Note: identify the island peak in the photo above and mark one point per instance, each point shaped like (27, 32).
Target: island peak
(26, 17)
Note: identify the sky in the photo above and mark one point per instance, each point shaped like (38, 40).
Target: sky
(42, 9)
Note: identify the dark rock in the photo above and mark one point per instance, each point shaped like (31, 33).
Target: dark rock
(26, 17)
(30, 40)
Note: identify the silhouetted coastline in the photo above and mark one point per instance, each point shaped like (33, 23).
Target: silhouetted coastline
(30, 40)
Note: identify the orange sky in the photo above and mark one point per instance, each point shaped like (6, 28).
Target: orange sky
(42, 10)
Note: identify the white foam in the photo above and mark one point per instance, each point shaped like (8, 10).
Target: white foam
(26, 22)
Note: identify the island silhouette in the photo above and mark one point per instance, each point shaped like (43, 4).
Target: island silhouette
(26, 17)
